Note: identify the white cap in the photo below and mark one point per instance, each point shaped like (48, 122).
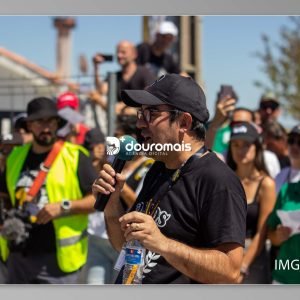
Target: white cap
(168, 27)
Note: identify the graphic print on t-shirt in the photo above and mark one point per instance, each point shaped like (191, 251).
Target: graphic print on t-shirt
(161, 218)
(24, 184)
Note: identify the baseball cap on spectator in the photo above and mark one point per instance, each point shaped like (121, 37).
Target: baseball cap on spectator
(269, 100)
(168, 27)
(93, 137)
(67, 99)
(178, 91)
(244, 131)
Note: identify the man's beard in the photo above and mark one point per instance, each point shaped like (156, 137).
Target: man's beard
(45, 139)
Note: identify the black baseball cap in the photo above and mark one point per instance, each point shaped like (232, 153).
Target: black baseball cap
(295, 130)
(244, 131)
(93, 137)
(178, 91)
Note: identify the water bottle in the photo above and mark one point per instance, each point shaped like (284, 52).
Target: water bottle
(134, 263)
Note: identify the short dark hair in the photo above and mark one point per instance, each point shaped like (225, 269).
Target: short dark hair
(127, 123)
(274, 129)
(197, 127)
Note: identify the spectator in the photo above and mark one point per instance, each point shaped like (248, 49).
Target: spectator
(55, 247)
(7, 143)
(131, 76)
(155, 56)
(240, 114)
(290, 174)
(74, 131)
(94, 111)
(269, 107)
(218, 133)
(20, 127)
(275, 139)
(245, 157)
(288, 185)
(95, 143)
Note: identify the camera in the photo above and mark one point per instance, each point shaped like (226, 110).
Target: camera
(16, 224)
(106, 57)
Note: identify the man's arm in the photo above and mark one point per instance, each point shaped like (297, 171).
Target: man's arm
(266, 199)
(223, 107)
(110, 182)
(54, 210)
(112, 212)
(100, 86)
(216, 265)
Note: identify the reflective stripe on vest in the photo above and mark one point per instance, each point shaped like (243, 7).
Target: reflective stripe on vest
(72, 240)
(61, 183)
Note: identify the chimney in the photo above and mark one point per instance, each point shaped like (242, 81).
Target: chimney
(63, 47)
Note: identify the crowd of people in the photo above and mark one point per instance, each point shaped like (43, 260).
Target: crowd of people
(217, 213)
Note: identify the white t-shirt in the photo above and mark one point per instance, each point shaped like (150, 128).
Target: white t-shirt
(272, 163)
(287, 174)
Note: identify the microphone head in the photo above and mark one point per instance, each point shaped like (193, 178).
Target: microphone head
(127, 151)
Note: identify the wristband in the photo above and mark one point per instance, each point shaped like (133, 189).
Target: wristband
(244, 270)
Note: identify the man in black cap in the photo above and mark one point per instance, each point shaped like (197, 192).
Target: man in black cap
(48, 188)
(269, 107)
(190, 214)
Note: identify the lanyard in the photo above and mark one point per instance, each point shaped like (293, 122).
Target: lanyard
(152, 204)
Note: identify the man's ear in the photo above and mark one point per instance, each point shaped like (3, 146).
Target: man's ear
(185, 122)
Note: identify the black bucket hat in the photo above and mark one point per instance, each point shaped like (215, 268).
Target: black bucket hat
(41, 108)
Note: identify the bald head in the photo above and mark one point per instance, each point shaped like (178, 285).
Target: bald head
(126, 53)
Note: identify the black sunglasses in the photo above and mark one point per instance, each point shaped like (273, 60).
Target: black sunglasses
(269, 104)
(146, 114)
(292, 140)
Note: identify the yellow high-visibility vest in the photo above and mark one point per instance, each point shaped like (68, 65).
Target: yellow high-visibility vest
(61, 183)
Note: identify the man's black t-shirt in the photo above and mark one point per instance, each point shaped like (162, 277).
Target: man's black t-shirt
(205, 207)
(42, 237)
(139, 80)
(158, 65)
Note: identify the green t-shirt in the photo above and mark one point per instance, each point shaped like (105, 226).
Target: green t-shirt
(222, 138)
(287, 264)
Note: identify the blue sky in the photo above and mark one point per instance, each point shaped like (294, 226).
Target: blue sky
(228, 44)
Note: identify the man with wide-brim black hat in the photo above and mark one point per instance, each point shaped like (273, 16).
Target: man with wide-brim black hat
(191, 212)
(48, 183)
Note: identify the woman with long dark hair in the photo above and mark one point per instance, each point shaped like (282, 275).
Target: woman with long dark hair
(245, 157)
